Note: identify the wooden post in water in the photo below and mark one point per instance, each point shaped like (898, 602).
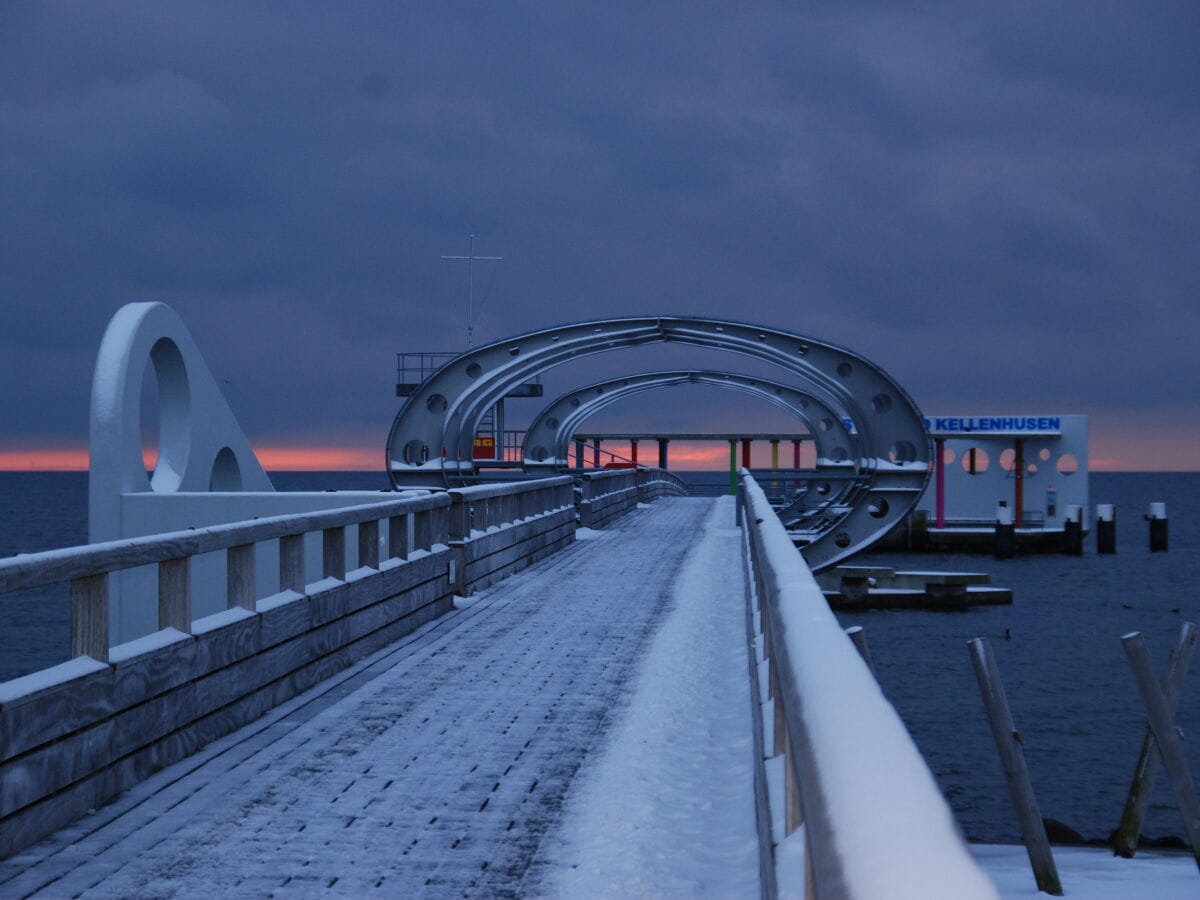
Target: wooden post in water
(859, 638)
(1165, 734)
(1008, 743)
(1125, 838)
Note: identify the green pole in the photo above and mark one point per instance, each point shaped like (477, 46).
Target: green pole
(733, 467)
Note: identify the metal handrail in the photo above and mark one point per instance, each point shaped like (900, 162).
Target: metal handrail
(876, 824)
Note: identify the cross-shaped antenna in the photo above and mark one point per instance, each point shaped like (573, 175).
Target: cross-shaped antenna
(470, 258)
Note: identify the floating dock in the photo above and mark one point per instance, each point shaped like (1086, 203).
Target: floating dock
(851, 588)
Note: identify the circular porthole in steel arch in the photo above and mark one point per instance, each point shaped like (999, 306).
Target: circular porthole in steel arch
(432, 437)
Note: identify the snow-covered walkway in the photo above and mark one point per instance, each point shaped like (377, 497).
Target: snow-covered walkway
(441, 764)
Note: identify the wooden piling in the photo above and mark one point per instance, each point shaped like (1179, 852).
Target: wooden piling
(859, 638)
(1008, 743)
(1125, 838)
(1170, 747)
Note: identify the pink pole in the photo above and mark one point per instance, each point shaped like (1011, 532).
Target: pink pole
(939, 468)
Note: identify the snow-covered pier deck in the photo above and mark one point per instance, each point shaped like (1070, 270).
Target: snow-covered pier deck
(664, 707)
(475, 755)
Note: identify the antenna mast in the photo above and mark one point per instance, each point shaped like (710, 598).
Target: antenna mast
(470, 258)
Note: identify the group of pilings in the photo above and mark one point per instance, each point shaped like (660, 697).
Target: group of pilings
(1072, 544)
(1162, 746)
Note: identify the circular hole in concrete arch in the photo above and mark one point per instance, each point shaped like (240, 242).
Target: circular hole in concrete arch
(881, 403)
(436, 404)
(839, 454)
(902, 452)
(539, 454)
(474, 370)
(1067, 464)
(842, 539)
(174, 440)
(416, 452)
(1044, 454)
(1008, 459)
(878, 507)
(1031, 468)
(575, 403)
(845, 370)
(948, 456)
(148, 418)
(552, 422)
(824, 488)
(226, 473)
(803, 403)
(825, 424)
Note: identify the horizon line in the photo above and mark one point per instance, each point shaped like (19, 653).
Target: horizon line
(276, 458)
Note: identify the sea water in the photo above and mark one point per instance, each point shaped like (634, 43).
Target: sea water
(1058, 647)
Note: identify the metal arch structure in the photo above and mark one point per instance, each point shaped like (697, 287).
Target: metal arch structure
(548, 438)
(821, 499)
(432, 437)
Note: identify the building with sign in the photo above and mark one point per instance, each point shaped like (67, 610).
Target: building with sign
(1037, 465)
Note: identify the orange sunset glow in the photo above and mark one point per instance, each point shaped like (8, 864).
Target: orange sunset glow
(1109, 453)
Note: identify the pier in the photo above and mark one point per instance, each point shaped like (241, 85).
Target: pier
(569, 682)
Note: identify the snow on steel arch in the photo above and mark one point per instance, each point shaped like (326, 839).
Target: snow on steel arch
(431, 440)
(548, 439)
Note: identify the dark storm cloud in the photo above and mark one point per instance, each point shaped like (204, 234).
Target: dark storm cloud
(997, 203)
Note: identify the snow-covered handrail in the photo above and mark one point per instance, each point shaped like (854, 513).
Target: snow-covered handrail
(485, 505)
(657, 482)
(876, 824)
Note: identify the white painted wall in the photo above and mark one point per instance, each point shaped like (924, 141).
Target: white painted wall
(976, 496)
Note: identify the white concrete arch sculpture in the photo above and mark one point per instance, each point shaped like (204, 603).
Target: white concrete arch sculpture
(207, 473)
(201, 445)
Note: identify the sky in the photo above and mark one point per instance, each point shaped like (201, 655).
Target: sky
(997, 203)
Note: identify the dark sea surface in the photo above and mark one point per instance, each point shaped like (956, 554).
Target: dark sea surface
(1068, 682)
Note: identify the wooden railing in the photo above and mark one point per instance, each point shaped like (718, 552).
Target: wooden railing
(875, 822)
(655, 483)
(88, 568)
(492, 505)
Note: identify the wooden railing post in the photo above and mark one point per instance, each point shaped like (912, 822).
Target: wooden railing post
(89, 617)
(398, 537)
(175, 594)
(440, 525)
(291, 563)
(333, 553)
(240, 576)
(422, 530)
(368, 543)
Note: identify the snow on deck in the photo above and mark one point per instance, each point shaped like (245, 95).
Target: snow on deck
(442, 763)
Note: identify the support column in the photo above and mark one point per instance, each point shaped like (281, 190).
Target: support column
(745, 453)
(662, 452)
(1019, 483)
(733, 467)
(795, 454)
(633, 451)
(775, 454)
(939, 449)
(595, 453)
(579, 453)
